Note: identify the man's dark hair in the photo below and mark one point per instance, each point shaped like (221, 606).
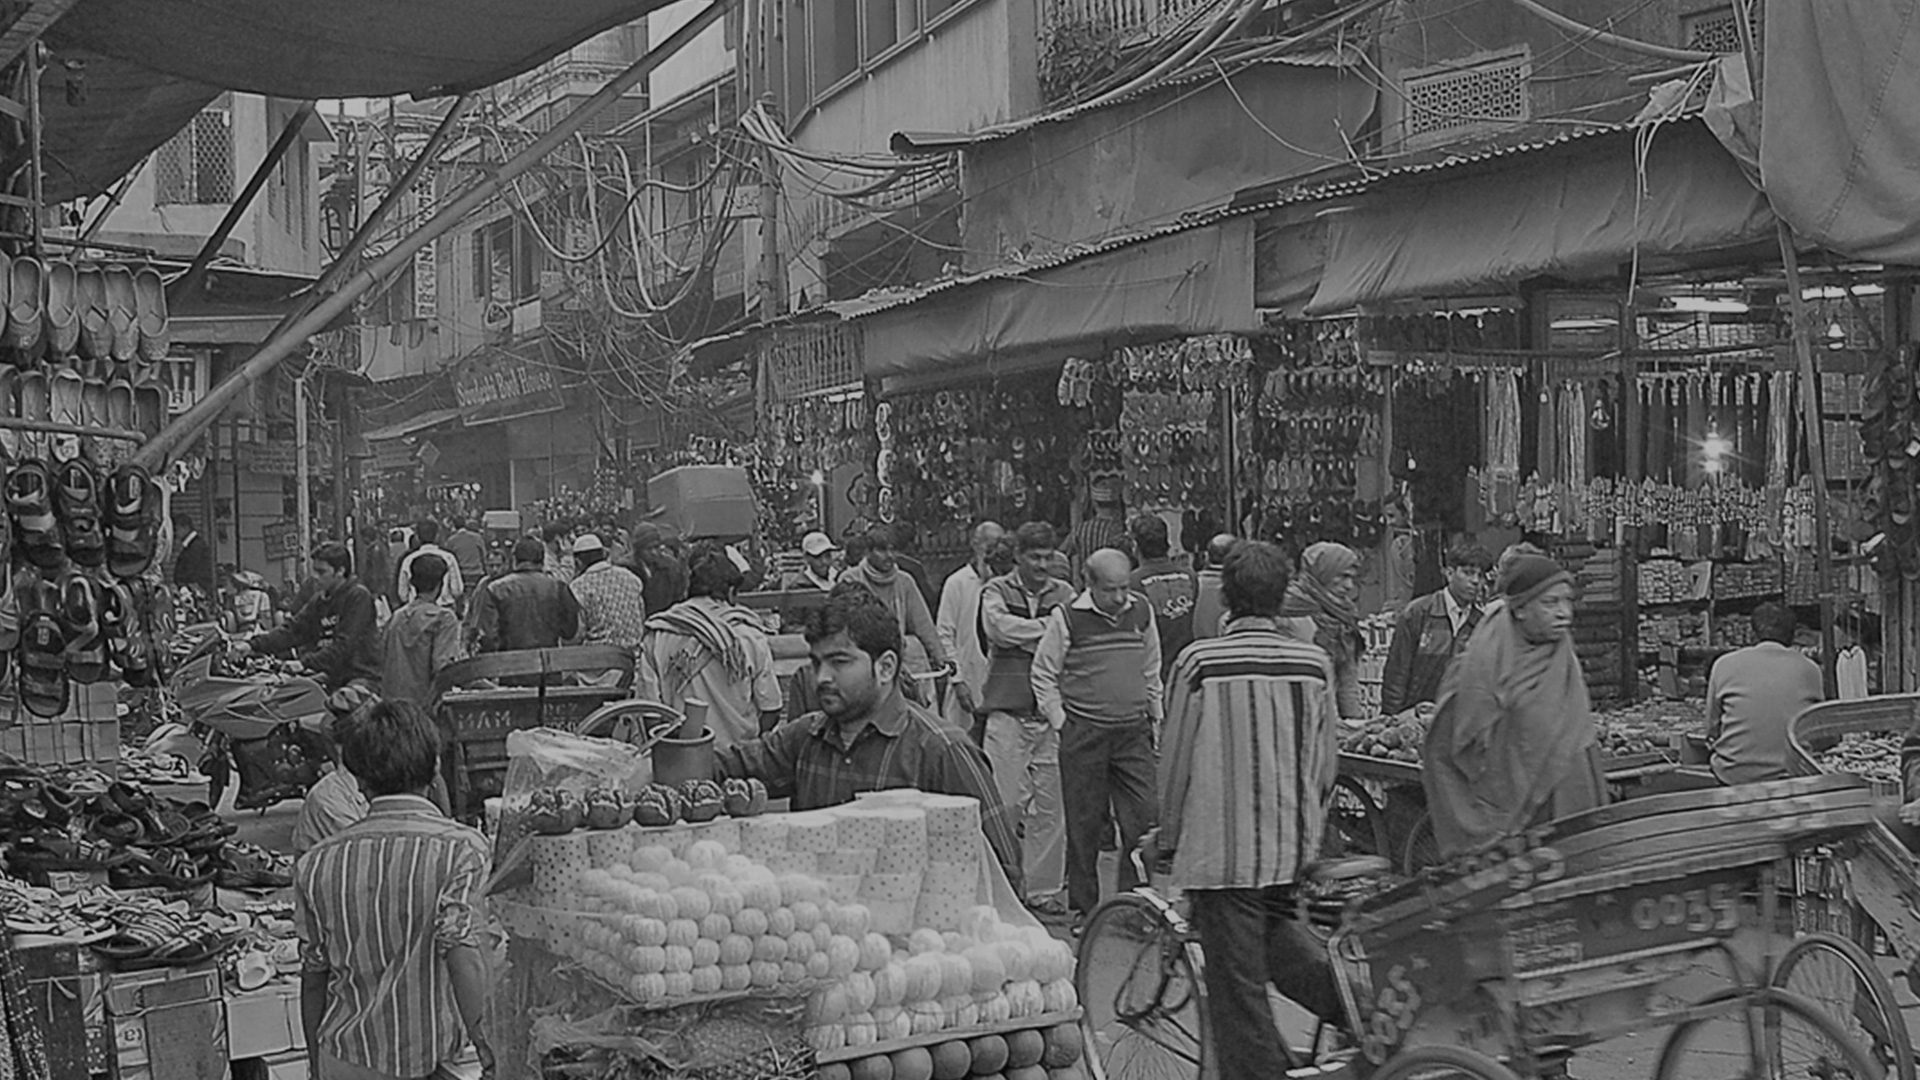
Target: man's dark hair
(427, 572)
(1774, 622)
(1469, 554)
(1035, 536)
(883, 538)
(427, 530)
(1254, 578)
(855, 548)
(392, 750)
(1001, 556)
(528, 550)
(868, 622)
(711, 571)
(554, 530)
(336, 555)
(1150, 536)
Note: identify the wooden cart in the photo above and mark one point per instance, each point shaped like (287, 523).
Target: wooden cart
(532, 688)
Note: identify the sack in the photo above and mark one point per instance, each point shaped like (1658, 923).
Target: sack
(284, 765)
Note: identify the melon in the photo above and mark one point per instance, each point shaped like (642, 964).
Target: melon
(736, 949)
(1016, 957)
(819, 967)
(1059, 996)
(780, 922)
(834, 1070)
(707, 855)
(727, 900)
(926, 941)
(828, 1006)
(913, 1063)
(851, 920)
(678, 873)
(892, 1023)
(822, 934)
(1025, 1048)
(645, 988)
(679, 984)
(750, 921)
(735, 976)
(797, 887)
(805, 914)
(648, 959)
(1026, 1072)
(706, 980)
(860, 992)
(961, 1011)
(989, 972)
(770, 949)
(860, 1031)
(716, 927)
(800, 947)
(706, 953)
(1064, 1046)
(956, 976)
(829, 1037)
(692, 903)
(952, 1061)
(875, 951)
(890, 985)
(679, 959)
(764, 895)
(651, 859)
(989, 1053)
(993, 1007)
(652, 879)
(923, 978)
(843, 956)
(683, 932)
(766, 975)
(793, 973)
(876, 1067)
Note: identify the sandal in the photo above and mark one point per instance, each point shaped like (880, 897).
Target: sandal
(62, 311)
(36, 403)
(44, 688)
(86, 650)
(30, 503)
(131, 503)
(116, 621)
(150, 312)
(26, 300)
(76, 499)
(122, 313)
(141, 932)
(149, 408)
(96, 337)
(137, 666)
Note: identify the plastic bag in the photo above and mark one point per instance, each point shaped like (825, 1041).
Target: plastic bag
(550, 758)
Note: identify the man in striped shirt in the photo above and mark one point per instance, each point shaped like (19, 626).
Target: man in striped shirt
(1247, 765)
(391, 934)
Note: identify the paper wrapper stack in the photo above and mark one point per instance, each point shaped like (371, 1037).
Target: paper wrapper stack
(558, 864)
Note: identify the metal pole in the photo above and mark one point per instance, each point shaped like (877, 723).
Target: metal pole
(280, 345)
(302, 479)
(196, 273)
(773, 293)
(37, 166)
(1816, 455)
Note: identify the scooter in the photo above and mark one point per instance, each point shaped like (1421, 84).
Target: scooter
(274, 729)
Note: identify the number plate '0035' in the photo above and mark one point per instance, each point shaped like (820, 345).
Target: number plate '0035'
(1616, 922)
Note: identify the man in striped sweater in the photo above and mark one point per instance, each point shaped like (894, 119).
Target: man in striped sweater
(1247, 767)
(1096, 678)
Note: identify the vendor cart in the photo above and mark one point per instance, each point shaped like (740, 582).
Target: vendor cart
(1660, 912)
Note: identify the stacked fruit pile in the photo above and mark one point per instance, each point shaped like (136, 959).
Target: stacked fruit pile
(1396, 738)
(1035, 1054)
(1873, 757)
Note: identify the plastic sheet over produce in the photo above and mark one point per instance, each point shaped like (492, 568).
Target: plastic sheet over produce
(883, 919)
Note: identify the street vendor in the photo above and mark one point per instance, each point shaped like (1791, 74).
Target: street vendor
(1513, 742)
(867, 736)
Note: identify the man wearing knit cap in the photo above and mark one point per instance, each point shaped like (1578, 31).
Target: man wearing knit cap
(1097, 680)
(1107, 528)
(1513, 742)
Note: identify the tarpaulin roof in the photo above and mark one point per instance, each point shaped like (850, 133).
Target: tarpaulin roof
(1840, 135)
(150, 65)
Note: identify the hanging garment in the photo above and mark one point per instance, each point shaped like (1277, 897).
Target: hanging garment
(1850, 670)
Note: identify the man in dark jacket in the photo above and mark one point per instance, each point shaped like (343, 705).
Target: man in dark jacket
(1432, 630)
(660, 570)
(526, 609)
(336, 633)
(1168, 587)
(194, 564)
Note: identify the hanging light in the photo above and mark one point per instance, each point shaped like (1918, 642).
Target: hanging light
(1714, 450)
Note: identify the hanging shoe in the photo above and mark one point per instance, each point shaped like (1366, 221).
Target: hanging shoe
(96, 333)
(26, 307)
(30, 503)
(132, 521)
(62, 311)
(13, 442)
(150, 314)
(76, 501)
(117, 621)
(86, 650)
(36, 403)
(44, 688)
(149, 408)
(122, 313)
(137, 666)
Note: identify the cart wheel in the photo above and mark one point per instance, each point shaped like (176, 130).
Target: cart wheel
(1840, 979)
(1443, 1063)
(1138, 980)
(1355, 825)
(1421, 849)
(1762, 1033)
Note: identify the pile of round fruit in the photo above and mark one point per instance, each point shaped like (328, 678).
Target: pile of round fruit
(1034, 1054)
(556, 811)
(1872, 757)
(1621, 741)
(1396, 738)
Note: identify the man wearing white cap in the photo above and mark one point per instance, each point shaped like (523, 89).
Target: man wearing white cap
(818, 572)
(613, 604)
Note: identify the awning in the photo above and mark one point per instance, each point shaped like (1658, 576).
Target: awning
(145, 67)
(1574, 210)
(413, 425)
(1194, 279)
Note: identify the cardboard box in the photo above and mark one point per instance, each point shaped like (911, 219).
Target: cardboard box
(264, 1022)
(168, 1024)
(704, 501)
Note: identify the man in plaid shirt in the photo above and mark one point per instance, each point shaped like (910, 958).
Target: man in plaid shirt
(867, 736)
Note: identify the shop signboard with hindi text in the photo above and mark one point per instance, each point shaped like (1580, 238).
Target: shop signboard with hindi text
(282, 539)
(494, 385)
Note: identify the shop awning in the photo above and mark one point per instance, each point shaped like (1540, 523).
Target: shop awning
(1576, 209)
(1190, 279)
(145, 67)
(413, 425)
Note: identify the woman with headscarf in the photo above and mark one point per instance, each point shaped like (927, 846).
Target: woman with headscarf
(1513, 742)
(1322, 607)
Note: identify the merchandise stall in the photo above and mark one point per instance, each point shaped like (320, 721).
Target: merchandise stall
(682, 929)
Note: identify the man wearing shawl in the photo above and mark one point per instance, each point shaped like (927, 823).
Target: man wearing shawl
(1513, 742)
(1322, 609)
(709, 649)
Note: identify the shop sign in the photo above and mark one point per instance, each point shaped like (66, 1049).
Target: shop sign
(272, 459)
(426, 275)
(282, 539)
(497, 386)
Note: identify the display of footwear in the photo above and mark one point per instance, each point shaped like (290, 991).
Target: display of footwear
(62, 309)
(122, 312)
(150, 313)
(96, 334)
(29, 493)
(77, 504)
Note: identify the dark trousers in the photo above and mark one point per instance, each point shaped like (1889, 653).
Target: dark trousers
(1102, 765)
(1252, 937)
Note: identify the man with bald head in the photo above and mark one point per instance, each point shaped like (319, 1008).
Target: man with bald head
(1096, 678)
(1209, 604)
(958, 624)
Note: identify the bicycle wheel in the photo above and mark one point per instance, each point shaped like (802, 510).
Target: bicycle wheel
(1355, 825)
(1421, 849)
(1764, 1034)
(1443, 1063)
(1141, 1000)
(1840, 979)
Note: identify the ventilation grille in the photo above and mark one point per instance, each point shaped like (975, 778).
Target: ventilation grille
(1493, 92)
(1716, 30)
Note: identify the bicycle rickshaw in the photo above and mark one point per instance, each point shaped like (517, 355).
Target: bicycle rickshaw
(1504, 963)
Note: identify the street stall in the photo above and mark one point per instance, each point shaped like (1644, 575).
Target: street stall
(661, 923)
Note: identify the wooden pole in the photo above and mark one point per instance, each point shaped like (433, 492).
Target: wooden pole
(1816, 454)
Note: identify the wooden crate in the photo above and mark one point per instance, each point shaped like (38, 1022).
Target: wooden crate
(168, 1024)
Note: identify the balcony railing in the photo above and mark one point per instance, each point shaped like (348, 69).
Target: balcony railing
(1129, 21)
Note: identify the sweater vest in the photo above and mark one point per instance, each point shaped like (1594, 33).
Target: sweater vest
(1103, 678)
(1009, 685)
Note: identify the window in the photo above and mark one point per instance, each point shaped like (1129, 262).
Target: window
(196, 165)
(882, 18)
(1453, 100)
(836, 40)
(477, 266)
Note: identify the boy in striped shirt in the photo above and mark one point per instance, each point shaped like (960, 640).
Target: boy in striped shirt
(1247, 765)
